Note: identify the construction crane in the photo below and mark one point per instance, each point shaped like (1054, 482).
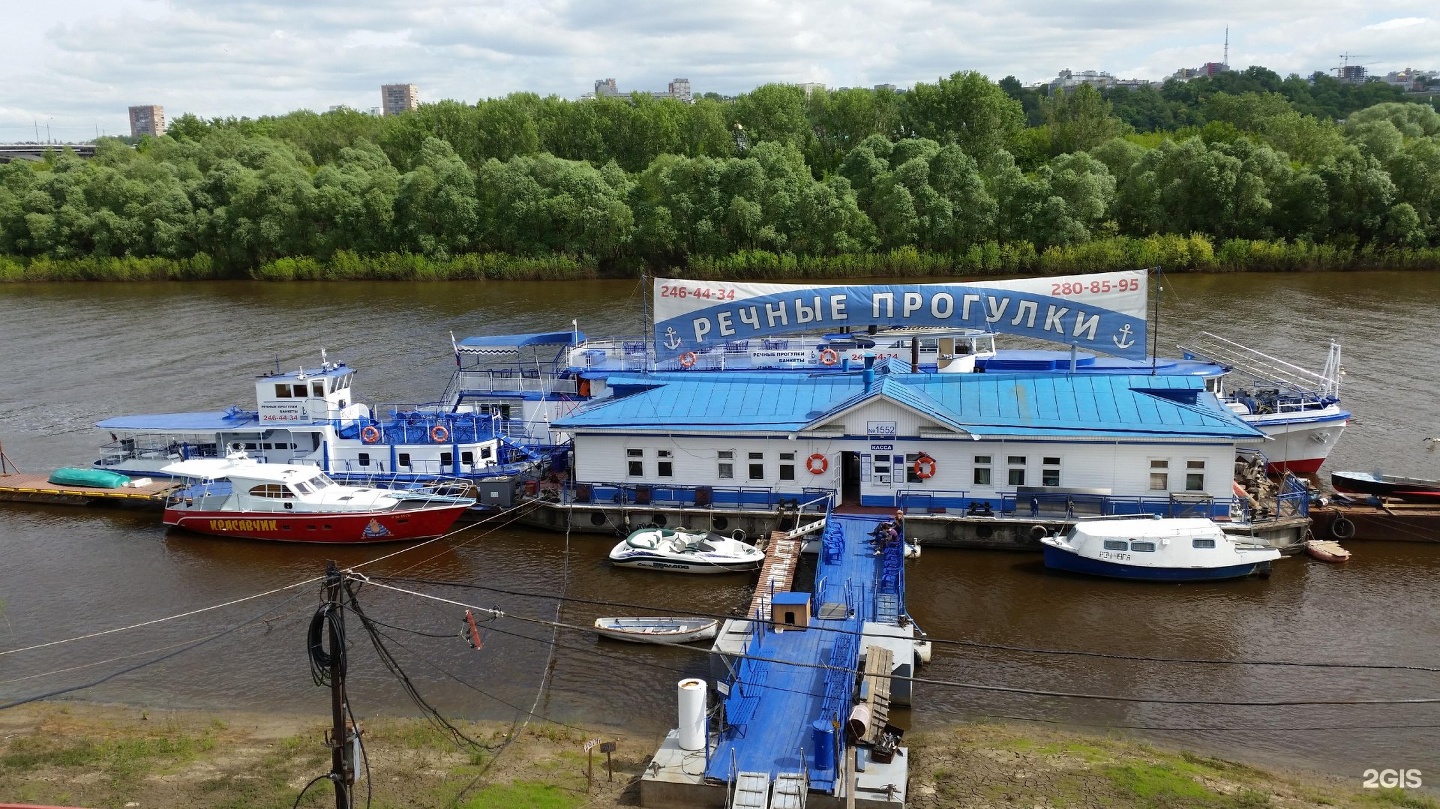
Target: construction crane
(1349, 72)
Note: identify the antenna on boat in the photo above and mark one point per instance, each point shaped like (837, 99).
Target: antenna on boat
(645, 313)
(277, 364)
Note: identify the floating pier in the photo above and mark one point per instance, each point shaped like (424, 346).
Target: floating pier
(806, 682)
(29, 488)
(1406, 522)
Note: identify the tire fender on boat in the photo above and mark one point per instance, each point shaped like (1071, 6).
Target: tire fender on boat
(1038, 532)
(1342, 527)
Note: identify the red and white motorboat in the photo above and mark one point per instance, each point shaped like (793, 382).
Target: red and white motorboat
(240, 497)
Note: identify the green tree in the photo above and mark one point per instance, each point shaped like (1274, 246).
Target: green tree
(964, 109)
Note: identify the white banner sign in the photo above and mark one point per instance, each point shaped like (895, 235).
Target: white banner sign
(1103, 312)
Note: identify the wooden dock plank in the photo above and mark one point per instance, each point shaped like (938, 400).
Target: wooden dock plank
(36, 488)
(879, 664)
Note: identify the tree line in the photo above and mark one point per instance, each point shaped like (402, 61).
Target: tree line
(959, 174)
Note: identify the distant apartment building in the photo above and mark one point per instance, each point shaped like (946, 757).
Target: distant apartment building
(680, 90)
(1069, 79)
(1411, 80)
(811, 87)
(147, 120)
(1207, 69)
(607, 88)
(886, 88)
(1352, 74)
(396, 99)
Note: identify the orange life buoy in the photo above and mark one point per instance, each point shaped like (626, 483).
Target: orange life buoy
(925, 467)
(829, 356)
(817, 464)
(439, 434)
(687, 360)
(370, 434)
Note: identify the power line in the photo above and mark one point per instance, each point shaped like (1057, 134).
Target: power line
(951, 642)
(975, 686)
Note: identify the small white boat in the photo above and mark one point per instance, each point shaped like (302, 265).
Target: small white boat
(1159, 549)
(686, 552)
(1326, 551)
(658, 629)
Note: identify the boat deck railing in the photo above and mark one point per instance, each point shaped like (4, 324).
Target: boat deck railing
(1264, 368)
(764, 498)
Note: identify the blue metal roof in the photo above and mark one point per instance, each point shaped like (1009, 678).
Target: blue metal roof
(520, 340)
(1101, 405)
(200, 422)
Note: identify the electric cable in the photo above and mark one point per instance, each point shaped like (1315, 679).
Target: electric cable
(948, 641)
(982, 686)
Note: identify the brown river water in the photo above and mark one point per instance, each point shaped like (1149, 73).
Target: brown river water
(75, 354)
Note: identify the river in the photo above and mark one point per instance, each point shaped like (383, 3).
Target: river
(75, 354)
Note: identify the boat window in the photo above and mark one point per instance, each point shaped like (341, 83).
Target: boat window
(1142, 547)
(321, 482)
(666, 466)
(982, 470)
(635, 462)
(403, 459)
(757, 465)
(467, 458)
(1194, 476)
(1016, 474)
(1159, 475)
(1202, 543)
(274, 491)
(317, 388)
(364, 459)
(787, 466)
(300, 391)
(725, 460)
(485, 452)
(282, 391)
(1050, 474)
(302, 487)
(1116, 545)
(447, 458)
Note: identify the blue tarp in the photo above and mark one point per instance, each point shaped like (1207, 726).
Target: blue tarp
(500, 341)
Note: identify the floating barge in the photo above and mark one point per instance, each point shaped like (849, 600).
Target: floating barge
(1403, 522)
(30, 488)
(806, 681)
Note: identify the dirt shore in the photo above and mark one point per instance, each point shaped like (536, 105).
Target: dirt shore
(81, 754)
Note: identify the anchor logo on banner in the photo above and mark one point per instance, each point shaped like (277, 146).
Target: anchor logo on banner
(672, 340)
(1123, 339)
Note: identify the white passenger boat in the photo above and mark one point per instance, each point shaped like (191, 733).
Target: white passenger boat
(309, 416)
(240, 497)
(1157, 549)
(686, 552)
(658, 629)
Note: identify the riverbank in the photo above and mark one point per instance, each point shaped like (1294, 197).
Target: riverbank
(1173, 253)
(111, 756)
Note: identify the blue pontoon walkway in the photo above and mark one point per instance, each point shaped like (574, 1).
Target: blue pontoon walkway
(794, 688)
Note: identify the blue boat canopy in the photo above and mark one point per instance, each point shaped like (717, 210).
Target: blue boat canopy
(502, 343)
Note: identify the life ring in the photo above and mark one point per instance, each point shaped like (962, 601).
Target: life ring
(829, 356)
(925, 467)
(817, 464)
(439, 434)
(687, 360)
(1342, 528)
(370, 434)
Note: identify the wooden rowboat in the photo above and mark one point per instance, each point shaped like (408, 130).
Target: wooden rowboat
(1327, 551)
(658, 629)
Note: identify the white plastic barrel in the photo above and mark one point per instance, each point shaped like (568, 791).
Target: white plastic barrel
(692, 714)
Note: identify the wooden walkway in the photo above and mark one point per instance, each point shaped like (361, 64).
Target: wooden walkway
(777, 574)
(32, 488)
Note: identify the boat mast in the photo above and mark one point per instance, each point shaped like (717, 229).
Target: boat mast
(649, 327)
(1155, 333)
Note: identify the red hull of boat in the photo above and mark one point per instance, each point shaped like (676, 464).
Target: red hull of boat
(1309, 466)
(359, 528)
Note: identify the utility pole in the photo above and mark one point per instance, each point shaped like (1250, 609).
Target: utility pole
(340, 767)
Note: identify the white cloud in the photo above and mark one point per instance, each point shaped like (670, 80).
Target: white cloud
(79, 66)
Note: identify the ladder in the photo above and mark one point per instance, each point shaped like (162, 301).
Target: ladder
(750, 791)
(790, 791)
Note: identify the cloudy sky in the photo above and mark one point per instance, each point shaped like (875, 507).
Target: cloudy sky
(75, 65)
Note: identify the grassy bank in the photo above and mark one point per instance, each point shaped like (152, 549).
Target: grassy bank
(1195, 253)
(101, 756)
